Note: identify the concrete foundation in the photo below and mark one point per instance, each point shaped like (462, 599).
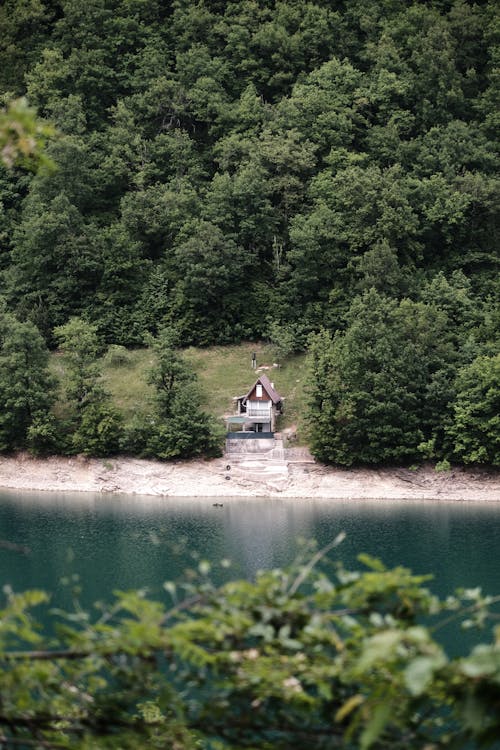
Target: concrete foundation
(258, 445)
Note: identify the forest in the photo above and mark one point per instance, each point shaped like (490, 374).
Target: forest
(322, 175)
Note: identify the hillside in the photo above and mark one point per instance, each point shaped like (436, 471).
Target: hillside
(319, 175)
(223, 372)
(223, 166)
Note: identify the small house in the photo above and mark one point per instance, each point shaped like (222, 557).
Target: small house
(257, 410)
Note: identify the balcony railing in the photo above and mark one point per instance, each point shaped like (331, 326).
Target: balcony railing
(253, 412)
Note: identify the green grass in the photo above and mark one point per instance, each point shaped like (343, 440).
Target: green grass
(226, 371)
(127, 383)
(223, 372)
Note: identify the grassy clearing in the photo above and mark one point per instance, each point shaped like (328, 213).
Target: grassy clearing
(226, 371)
(127, 382)
(223, 372)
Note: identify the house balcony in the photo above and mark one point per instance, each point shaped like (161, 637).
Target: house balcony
(260, 413)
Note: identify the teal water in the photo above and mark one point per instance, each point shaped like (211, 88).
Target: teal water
(123, 542)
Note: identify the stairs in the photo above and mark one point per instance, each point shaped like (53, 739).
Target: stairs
(268, 467)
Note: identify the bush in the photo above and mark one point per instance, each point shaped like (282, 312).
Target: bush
(100, 430)
(296, 659)
(43, 435)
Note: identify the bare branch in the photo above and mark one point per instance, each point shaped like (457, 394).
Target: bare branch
(313, 561)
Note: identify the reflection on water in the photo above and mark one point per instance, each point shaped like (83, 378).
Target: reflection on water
(123, 542)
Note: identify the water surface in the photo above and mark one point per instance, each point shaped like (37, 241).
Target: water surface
(123, 542)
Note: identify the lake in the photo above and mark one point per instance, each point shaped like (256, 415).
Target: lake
(123, 542)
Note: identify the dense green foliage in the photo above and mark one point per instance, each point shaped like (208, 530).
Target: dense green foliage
(299, 658)
(176, 426)
(243, 169)
(401, 383)
(476, 419)
(170, 422)
(93, 424)
(27, 390)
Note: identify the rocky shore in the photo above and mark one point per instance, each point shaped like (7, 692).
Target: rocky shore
(301, 477)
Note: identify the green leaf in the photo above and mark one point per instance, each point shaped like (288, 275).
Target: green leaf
(420, 671)
(349, 706)
(376, 725)
(372, 562)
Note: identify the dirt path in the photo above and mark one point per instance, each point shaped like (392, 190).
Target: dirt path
(213, 478)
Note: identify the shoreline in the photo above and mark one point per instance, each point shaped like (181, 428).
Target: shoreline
(217, 478)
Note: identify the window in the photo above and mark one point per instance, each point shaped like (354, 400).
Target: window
(258, 391)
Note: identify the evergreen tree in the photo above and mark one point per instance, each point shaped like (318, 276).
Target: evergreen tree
(27, 389)
(95, 425)
(178, 427)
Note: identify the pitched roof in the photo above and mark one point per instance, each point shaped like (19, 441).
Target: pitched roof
(266, 384)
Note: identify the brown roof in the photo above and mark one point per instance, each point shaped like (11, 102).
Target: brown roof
(266, 384)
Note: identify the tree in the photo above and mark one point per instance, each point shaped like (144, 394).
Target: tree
(124, 274)
(155, 215)
(99, 432)
(95, 424)
(209, 269)
(475, 428)
(27, 389)
(285, 339)
(379, 269)
(327, 107)
(453, 296)
(25, 28)
(178, 427)
(55, 266)
(80, 345)
(187, 432)
(418, 47)
(374, 395)
(353, 210)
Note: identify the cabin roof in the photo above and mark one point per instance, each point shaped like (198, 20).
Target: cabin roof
(266, 384)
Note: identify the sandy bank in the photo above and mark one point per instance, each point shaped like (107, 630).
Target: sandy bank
(246, 479)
